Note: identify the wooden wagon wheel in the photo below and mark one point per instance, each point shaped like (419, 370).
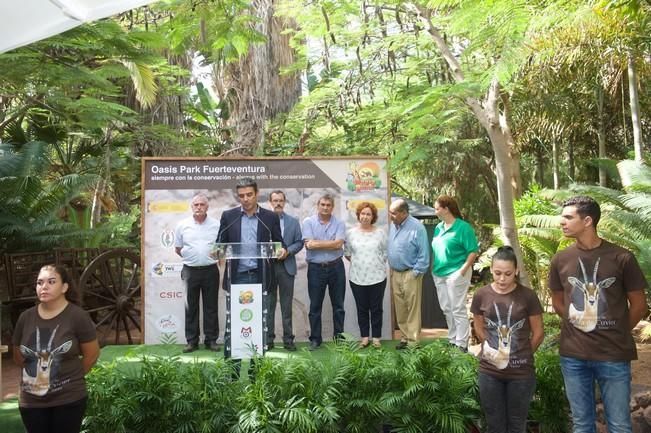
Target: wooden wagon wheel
(110, 292)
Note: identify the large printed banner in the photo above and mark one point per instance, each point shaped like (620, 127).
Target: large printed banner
(168, 187)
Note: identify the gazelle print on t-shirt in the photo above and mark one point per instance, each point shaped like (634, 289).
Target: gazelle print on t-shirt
(503, 331)
(587, 304)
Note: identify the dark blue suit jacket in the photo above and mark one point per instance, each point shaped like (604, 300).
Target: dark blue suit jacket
(230, 227)
(294, 240)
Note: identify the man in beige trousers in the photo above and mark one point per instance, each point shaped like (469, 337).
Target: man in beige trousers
(408, 260)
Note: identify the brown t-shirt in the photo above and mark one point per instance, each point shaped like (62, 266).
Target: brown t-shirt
(595, 284)
(53, 374)
(506, 353)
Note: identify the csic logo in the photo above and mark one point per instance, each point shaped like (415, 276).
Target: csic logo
(167, 270)
(246, 315)
(246, 332)
(167, 238)
(168, 323)
(171, 294)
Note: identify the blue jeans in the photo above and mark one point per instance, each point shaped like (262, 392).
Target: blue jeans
(614, 379)
(318, 278)
(505, 402)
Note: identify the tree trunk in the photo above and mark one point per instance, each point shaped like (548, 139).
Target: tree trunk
(571, 165)
(496, 124)
(254, 87)
(540, 167)
(601, 136)
(501, 141)
(514, 155)
(102, 184)
(635, 108)
(555, 170)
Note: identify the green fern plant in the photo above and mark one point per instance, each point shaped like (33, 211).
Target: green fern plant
(437, 392)
(162, 395)
(550, 407)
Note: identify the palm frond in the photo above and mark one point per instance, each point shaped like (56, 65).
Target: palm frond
(634, 175)
(540, 221)
(144, 82)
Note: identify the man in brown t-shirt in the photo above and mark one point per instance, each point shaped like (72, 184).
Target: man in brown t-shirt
(598, 290)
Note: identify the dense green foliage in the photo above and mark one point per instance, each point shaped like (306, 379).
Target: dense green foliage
(102, 95)
(433, 389)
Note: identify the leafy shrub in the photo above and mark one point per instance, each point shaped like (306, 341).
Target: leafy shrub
(433, 389)
(161, 395)
(552, 325)
(437, 391)
(550, 407)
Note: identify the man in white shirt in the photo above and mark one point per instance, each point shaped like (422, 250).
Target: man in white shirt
(194, 238)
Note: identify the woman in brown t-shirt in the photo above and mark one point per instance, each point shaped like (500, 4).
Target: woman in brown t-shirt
(508, 322)
(56, 345)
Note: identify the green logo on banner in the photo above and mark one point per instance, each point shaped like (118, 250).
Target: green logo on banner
(246, 315)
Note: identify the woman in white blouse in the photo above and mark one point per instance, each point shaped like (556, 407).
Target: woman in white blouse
(366, 249)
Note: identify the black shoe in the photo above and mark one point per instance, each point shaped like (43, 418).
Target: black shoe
(190, 348)
(402, 345)
(314, 345)
(290, 346)
(270, 345)
(213, 346)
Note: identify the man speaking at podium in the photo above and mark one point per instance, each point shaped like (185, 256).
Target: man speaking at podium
(248, 224)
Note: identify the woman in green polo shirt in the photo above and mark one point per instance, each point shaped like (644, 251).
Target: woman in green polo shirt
(454, 250)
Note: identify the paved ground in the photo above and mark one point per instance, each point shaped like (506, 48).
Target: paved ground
(10, 378)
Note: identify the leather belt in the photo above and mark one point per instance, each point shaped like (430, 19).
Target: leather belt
(248, 271)
(200, 268)
(326, 264)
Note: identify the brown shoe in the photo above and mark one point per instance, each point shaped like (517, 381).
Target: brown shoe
(190, 348)
(290, 346)
(213, 346)
(402, 345)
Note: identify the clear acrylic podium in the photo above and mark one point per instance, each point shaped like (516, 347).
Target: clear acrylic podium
(246, 304)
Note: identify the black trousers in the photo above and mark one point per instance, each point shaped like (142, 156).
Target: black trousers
(505, 402)
(282, 287)
(202, 282)
(368, 300)
(57, 419)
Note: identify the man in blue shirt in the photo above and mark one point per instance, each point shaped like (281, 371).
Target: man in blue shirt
(324, 237)
(408, 260)
(248, 224)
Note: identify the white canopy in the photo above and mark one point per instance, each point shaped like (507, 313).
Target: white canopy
(25, 21)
